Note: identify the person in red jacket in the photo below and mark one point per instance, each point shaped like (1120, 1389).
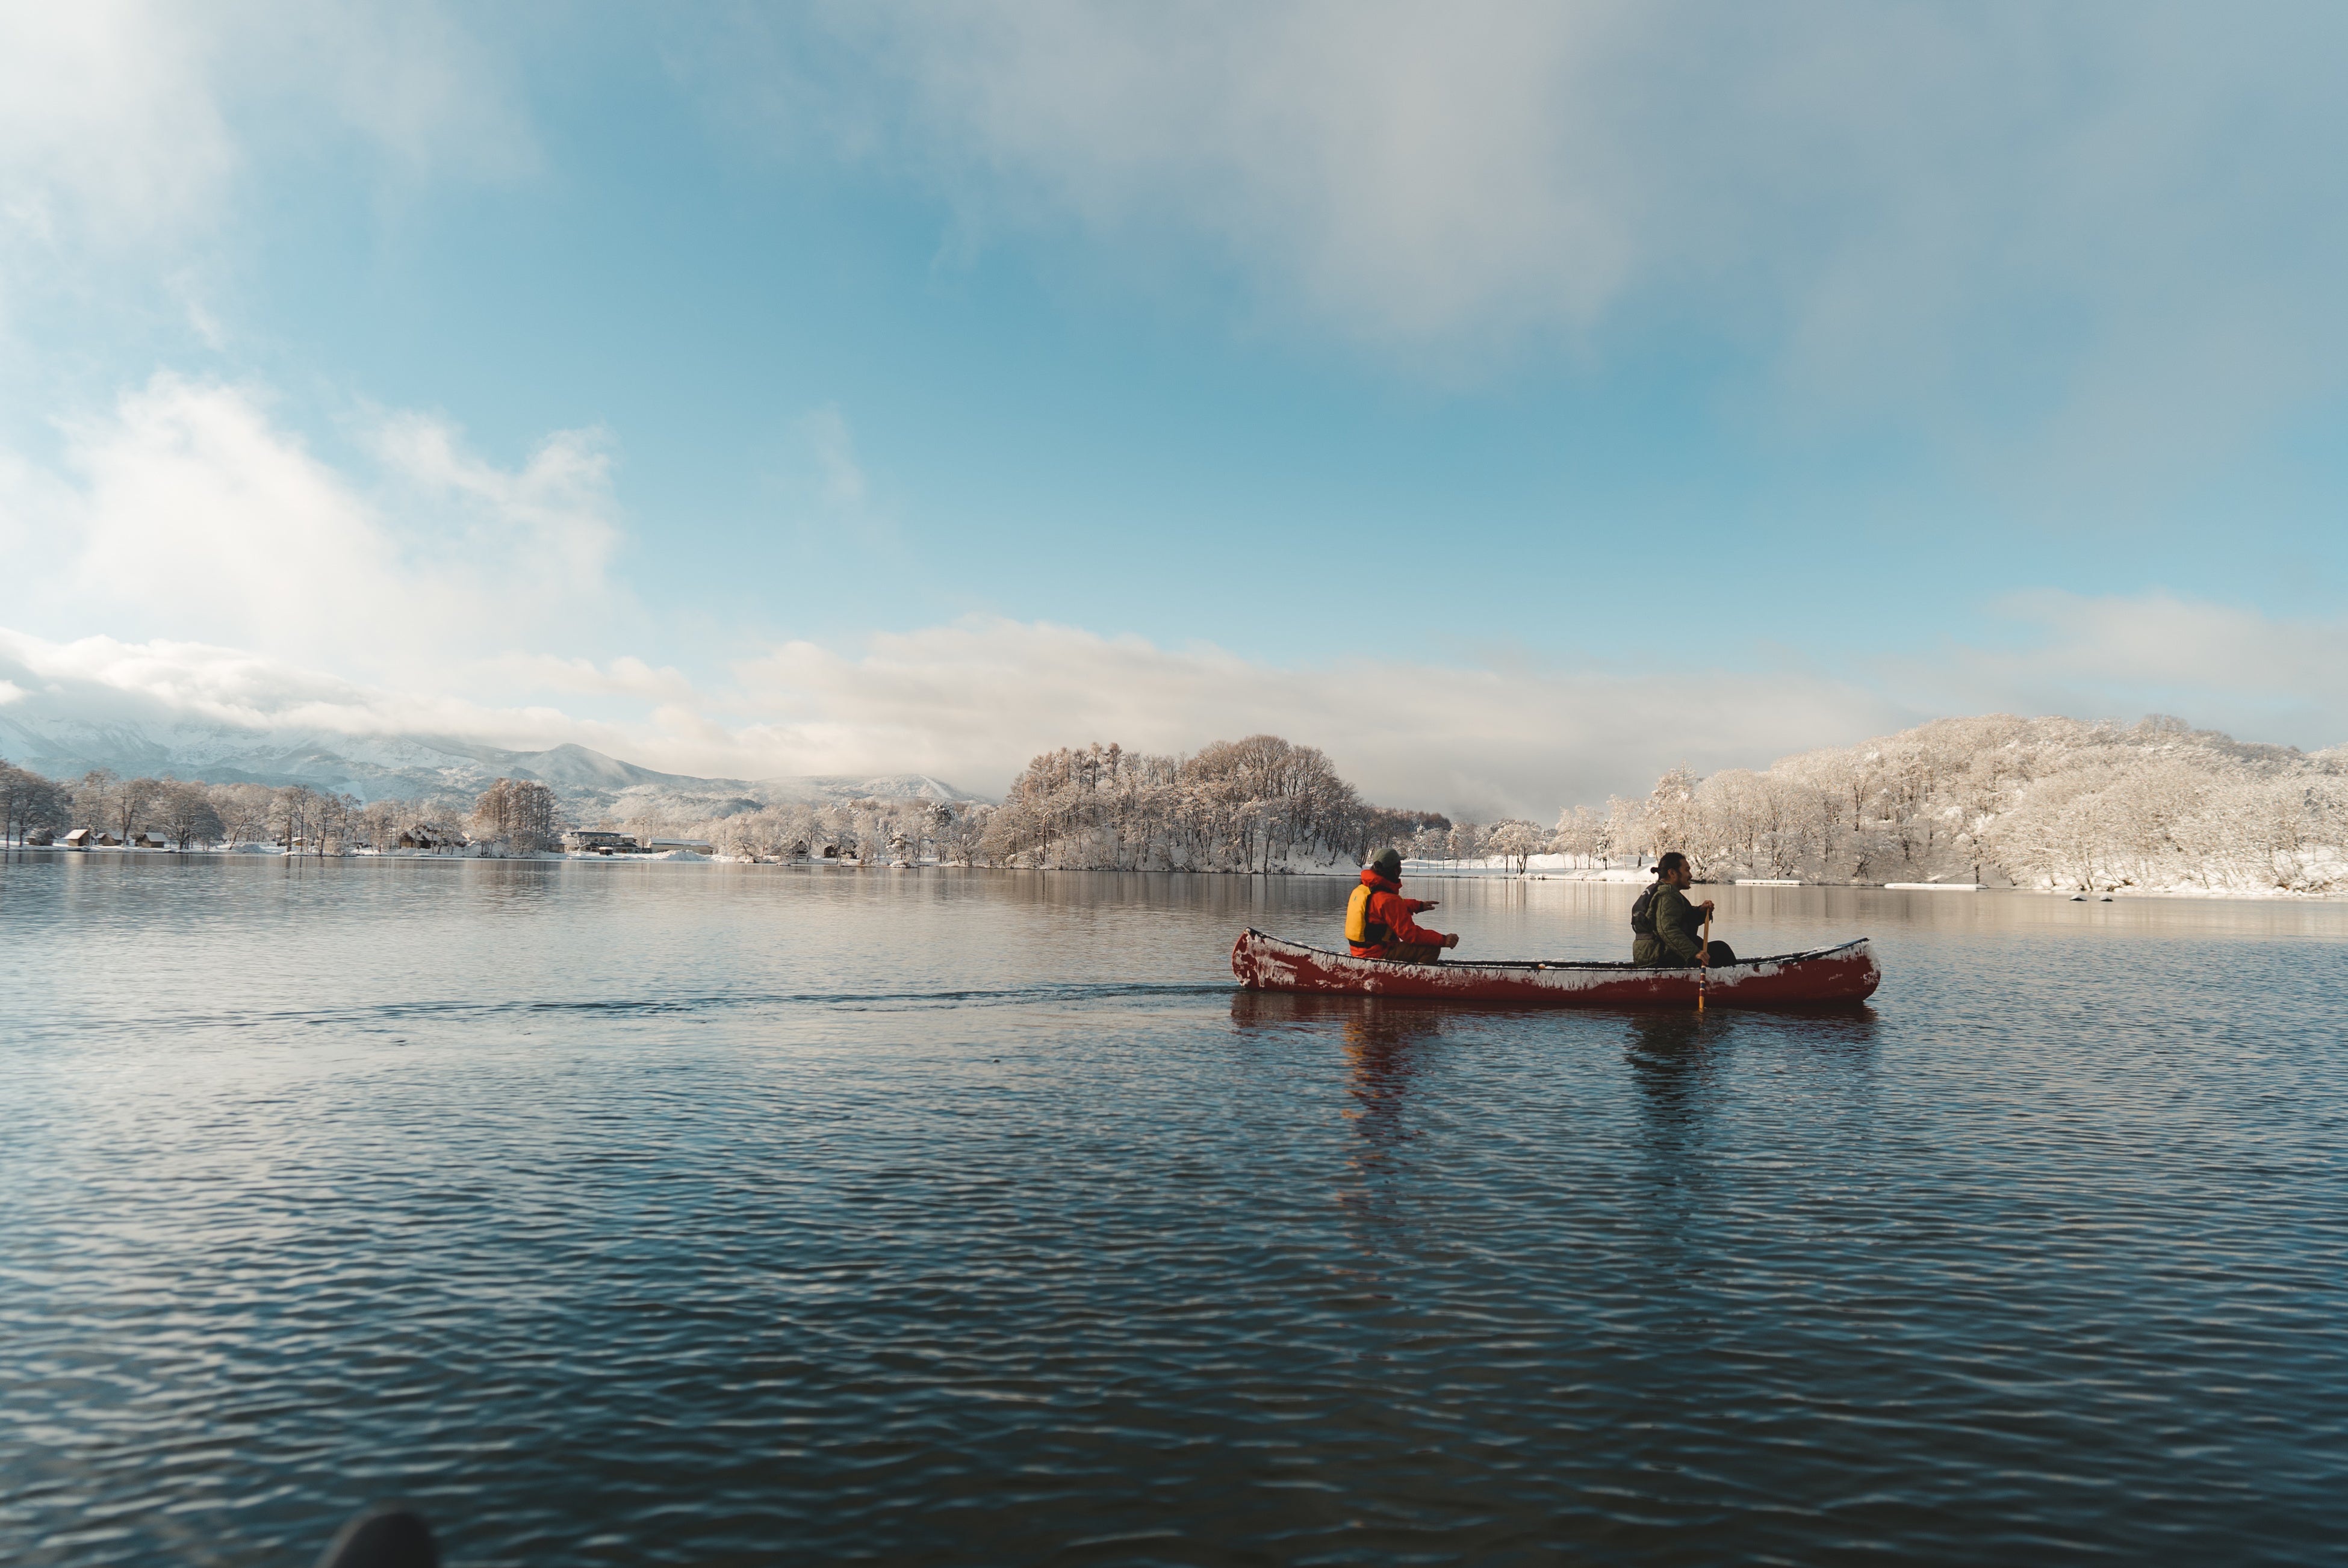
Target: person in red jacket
(1378, 922)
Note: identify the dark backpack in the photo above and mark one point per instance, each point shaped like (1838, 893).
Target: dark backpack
(1642, 913)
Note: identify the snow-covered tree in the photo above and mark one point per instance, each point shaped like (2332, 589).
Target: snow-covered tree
(29, 802)
(187, 815)
(520, 814)
(1515, 841)
(245, 810)
(2049, 803)
(293, 818)
(1254, 804)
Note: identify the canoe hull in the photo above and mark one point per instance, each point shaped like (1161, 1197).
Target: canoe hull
(1828, 976)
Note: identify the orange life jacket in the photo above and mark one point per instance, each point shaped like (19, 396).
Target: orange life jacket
(1363, 930)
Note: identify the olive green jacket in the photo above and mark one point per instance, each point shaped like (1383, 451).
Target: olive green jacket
(1678, 941)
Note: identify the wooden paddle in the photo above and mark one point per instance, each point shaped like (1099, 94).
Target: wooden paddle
(1703, 963)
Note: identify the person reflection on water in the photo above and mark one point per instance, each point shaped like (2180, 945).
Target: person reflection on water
(1666, 930)
(1378, 922)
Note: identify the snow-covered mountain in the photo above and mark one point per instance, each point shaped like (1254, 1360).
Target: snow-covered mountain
(378, 767)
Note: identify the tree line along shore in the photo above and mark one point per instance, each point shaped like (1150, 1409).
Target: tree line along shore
(2053, 804)
(2049, 803)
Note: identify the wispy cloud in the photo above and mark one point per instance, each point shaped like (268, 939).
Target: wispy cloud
(834, 446)
(122, 118)
(2100, 234)
(451, 594)
(447, 593)
(976, 699)
(2227, 666)
(110, 126)
(828, 496)
(102, 679)
(973, 701)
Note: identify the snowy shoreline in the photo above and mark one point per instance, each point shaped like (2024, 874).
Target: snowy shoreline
(1537, 872)
(1539, 868)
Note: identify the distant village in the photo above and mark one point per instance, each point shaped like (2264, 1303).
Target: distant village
(423, 838)
(513, 817)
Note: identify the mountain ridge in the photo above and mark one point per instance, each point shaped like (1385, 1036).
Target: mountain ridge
(393, 766)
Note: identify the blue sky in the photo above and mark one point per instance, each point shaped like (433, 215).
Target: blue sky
(1510, 400)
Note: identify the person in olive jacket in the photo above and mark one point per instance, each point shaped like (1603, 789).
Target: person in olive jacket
(1668, 930)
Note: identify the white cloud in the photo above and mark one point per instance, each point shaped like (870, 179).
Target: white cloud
(108, 119)
(103, 679)
(828, 499)
(552, 518)
(2223, 666)
(1393, 167)
(975, 699)
(449, 594)
(971, 702)
(627, 676)
(2058, 230)
(411, 80)
(187, 513)
(127, 122)
(2159, 638)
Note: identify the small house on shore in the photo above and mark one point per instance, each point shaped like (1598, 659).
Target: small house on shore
(147, 838)
(690, 846)
(80, 838)
(430, 836)
(39, 838)
(105, 840)
(598, 841)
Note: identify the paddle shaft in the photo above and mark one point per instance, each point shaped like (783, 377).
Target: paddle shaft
(1703, 963)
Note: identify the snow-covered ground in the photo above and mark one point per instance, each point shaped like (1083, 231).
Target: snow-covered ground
(1545, 867)
(1572, 868)
(1540, 868)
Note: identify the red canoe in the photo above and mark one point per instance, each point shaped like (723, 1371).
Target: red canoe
(1844, 974)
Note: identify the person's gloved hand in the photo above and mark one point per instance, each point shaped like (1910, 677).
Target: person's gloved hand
(1452, 940)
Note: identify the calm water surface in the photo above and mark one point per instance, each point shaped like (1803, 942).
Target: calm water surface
(692, 1214)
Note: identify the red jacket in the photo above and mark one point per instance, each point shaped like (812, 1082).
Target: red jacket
(1386, 906)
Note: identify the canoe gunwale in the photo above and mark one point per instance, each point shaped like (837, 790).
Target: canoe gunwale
(1844, 973)
(1606, 965)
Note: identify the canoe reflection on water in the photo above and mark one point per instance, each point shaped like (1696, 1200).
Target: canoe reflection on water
(1681, 1063)
(1383, 1048)
(1676, 1057)
(1385, 1045)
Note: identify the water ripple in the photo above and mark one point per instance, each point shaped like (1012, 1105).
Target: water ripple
(1038, 1243)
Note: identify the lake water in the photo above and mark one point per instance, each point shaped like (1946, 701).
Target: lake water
(668, 1214)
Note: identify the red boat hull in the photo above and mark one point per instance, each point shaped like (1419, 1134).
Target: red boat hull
(1829, 975)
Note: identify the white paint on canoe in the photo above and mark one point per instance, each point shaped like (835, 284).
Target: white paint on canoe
(1847, 973)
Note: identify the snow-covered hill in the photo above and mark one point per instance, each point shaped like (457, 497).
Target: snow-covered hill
(381, 767)
(2049, 803)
